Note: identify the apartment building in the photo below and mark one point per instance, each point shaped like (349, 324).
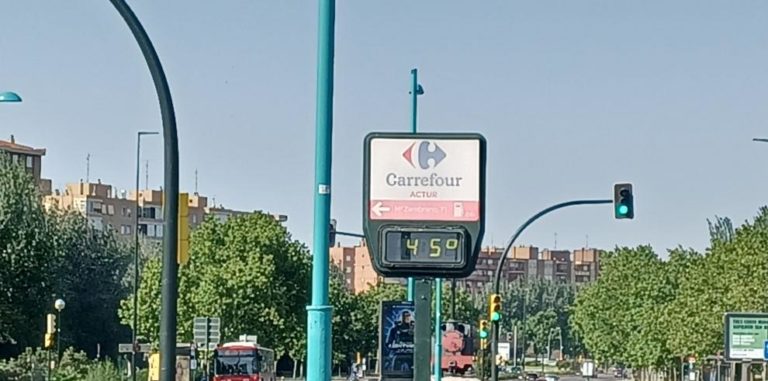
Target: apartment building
(30, 158)
(355, 263)
(106, 208)
(523, 262)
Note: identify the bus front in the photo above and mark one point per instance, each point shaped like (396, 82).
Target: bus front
(237, 363)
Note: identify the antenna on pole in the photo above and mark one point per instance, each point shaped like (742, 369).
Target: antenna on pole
(146, 175)
(555, 248)
(195, 180)
(587, 247)
(87, 167)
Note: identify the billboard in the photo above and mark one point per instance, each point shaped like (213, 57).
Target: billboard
(396, 340)
(745, 336)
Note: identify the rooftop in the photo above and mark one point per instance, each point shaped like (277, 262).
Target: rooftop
(11, 146)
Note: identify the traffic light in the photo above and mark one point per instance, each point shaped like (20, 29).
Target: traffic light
(332, 233)
(623, 202)
(48, 344)
(50, 326)
(484, 332)
(182, 256)
(494, 307)
(50, 330)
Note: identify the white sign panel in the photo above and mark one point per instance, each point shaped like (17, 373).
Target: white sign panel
(424, 180)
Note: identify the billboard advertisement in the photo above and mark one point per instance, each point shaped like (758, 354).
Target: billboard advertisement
(746, 335)
(396, 340)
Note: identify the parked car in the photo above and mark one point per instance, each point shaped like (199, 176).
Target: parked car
(551, 377)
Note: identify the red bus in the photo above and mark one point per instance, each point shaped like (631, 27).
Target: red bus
(243, 361)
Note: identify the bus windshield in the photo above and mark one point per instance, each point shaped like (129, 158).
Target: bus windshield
(234, 362)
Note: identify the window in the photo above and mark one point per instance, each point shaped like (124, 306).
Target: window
(126, 229)
(159, 230)
(148, 212)
(349, 258)
(111, 210)
(348, 270)
(194, 218)
(29, 161)
(142, 229)
(96, 207)
(123, 211)
(15, 159)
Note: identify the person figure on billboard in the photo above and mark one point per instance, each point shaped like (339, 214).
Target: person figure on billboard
(402, 331)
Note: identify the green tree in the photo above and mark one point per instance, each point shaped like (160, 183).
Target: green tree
(26, 271)
(89, 268)
(618, 315)
(248, 271)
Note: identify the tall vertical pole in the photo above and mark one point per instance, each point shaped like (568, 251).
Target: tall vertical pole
(319, 312)
(135, 330)
(525, 343)
(514, 347)
(422, 331)
(171, 203)
(414, 102)
(438, 331)
(494, 350)
(453, 299)
(58, 337)
(135, 327)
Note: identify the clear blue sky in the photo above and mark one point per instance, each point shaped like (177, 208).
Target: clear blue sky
(571, 95)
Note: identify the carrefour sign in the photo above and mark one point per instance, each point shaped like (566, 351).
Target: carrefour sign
(425, 179)
(424, 200)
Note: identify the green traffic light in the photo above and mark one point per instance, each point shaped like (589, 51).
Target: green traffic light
(623, 209)
(483, 334)
(495, 316)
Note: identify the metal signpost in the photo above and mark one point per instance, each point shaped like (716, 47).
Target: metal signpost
(207, 334)
(424, 214)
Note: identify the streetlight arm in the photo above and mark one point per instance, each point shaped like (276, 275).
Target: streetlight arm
(171, 204)
(347, 234)
(500, 265)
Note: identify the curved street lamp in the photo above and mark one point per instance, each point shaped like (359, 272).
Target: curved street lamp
(10, 97)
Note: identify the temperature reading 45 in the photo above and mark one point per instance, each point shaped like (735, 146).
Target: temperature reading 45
(437, 246)
(424, 246)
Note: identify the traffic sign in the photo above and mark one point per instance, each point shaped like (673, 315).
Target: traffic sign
(128, 348)
(424, 202)
(206, 331)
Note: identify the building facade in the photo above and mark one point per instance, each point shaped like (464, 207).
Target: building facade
(355, 263)
(105, 208)
(29, 158)
(579, 266)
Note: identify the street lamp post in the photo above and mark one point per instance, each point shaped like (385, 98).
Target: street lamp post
(171, 203)
(9, 97)
(500, 266)
(135, 333)
(58, 305)
(319, 312)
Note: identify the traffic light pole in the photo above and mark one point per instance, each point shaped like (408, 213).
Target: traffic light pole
(500, 267)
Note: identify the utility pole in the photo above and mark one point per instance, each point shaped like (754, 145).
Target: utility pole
(319, 312)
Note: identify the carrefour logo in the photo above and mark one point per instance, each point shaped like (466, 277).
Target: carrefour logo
(424, 153)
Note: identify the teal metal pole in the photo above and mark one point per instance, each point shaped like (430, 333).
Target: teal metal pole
(438, 331)
(319, 312)
(414, 95)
